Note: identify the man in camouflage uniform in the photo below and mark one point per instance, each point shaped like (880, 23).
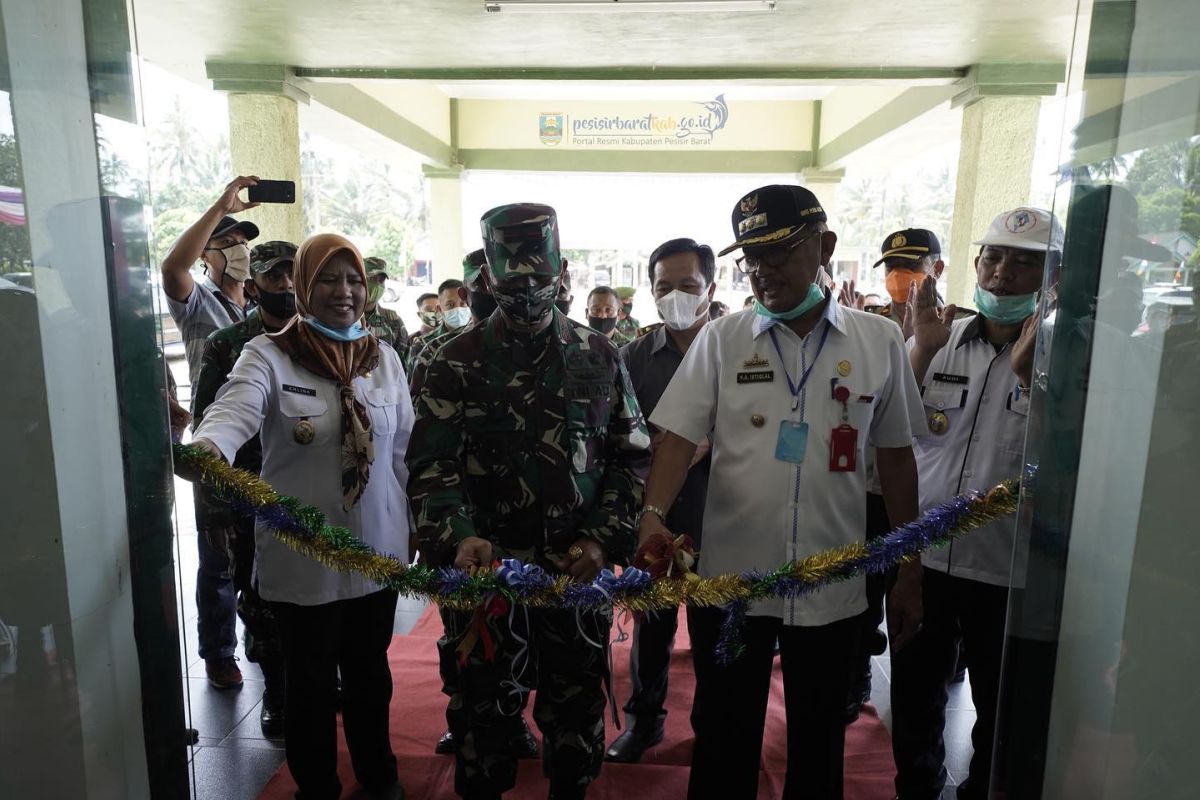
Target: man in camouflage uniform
(454, 312)
(626, 324)
(529, 444)
(481, 305)
(270, 287)
(384, 323)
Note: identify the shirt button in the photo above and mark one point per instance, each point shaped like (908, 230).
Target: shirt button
(974, 438)
(941, 406)
(985, 398)
(967, 473)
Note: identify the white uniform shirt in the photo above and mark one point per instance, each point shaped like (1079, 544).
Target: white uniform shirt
(980, 444)
(762, 512)
(268, 389)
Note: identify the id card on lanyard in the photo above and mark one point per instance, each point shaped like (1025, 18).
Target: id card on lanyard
(793, 435)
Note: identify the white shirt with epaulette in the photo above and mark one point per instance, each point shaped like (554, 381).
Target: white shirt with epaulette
(975, 439)
(762, 512)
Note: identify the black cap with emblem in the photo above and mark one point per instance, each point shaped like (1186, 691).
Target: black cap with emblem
(911, 243)
(773, 215)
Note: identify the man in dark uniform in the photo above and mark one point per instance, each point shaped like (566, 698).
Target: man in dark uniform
(529, 444)
(681, 276)
(384, 323)
(270, 287)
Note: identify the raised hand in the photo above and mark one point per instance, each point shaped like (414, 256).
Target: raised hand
(850, 297)
(230, 202)
(930, 325)
(1021, 358)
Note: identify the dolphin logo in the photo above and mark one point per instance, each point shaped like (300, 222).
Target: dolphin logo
(719, 110)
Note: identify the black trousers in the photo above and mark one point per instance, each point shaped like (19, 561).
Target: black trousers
(872, 618)
(649, 666)
(353, 635)
(955, 608)
(730, 707)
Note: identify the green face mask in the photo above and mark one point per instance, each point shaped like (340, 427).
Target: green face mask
(1005, 309)
(814, 298)
(374, 294)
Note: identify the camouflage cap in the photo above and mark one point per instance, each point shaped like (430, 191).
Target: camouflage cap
(626, 293)
(375, 266)
(472, 263)
(521, 239)
(268, 255)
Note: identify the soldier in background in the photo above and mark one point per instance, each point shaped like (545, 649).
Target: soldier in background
(383, 323)
(528, 444)
(626, 324)
(270, 287)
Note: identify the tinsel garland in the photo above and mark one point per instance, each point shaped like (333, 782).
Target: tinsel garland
(304, 529)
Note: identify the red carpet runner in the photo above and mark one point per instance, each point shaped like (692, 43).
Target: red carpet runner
(418, 719)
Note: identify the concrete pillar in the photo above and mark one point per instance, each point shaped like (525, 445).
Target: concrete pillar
(264, 140)
(446, 222)
(824, 184)
(995, 165)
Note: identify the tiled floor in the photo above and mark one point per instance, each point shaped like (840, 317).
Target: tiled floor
(233, 760)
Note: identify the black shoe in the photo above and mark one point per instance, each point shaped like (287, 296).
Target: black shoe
(633, 743)
(271, 717)
(446, 745)
(859, 695)
(524, 745)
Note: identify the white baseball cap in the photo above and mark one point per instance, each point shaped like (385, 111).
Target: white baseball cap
(1025, 228)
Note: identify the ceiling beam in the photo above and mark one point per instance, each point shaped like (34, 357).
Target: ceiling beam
(1009, 80)
(709, 74)
(720, 161)
(359, 106)
(911, 104)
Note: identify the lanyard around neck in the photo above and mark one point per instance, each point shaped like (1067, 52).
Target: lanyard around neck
(793, 387)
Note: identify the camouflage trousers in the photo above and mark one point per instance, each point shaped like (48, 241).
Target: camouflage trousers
(486, 702)
(262, 642)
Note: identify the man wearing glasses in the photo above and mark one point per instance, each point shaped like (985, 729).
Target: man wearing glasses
(788, 396)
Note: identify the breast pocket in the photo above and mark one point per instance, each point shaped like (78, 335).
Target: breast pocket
(945, 401)
(306, 418)
(587, 433)
(495, 440)
(382, 404)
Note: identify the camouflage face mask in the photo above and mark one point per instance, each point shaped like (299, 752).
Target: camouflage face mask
(526, 305)
(521, 239)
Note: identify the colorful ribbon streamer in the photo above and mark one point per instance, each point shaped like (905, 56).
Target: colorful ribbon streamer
(304, 529)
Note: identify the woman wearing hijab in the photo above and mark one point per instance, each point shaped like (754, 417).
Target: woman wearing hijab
(333, 408)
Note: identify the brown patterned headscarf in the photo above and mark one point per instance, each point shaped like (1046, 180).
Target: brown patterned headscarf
(339, 361)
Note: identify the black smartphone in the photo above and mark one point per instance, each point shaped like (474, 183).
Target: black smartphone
(272, 192)
(872, 308)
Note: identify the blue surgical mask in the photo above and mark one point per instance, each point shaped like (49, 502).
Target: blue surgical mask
(349, 334)
(1005, 309)
(815, 295)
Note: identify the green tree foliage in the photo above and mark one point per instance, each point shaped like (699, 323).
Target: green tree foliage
(1166, 182)
(14, 239)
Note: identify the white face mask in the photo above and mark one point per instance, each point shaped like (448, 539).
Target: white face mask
(680, 310)
(237, 261)
(456, 317)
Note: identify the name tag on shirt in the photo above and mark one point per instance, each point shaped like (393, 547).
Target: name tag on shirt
(287, 387)
(764, 376)
(946, 391)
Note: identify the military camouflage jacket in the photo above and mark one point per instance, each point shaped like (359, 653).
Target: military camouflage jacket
(422, 354)
(628, 327)
(387, 326)
(529, 451)
(221, 351)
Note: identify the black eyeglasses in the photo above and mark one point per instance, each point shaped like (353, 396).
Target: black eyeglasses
(773, 258)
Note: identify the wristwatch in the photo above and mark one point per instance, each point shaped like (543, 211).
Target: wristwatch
(650, 509)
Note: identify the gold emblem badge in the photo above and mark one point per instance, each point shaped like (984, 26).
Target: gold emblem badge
(938, 423)
(755, 361)
(304, 432)
(898, 241)
(758, 420)
(748, 205)
(843, 368)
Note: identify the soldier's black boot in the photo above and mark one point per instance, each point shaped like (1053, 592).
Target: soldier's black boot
(271, 716)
